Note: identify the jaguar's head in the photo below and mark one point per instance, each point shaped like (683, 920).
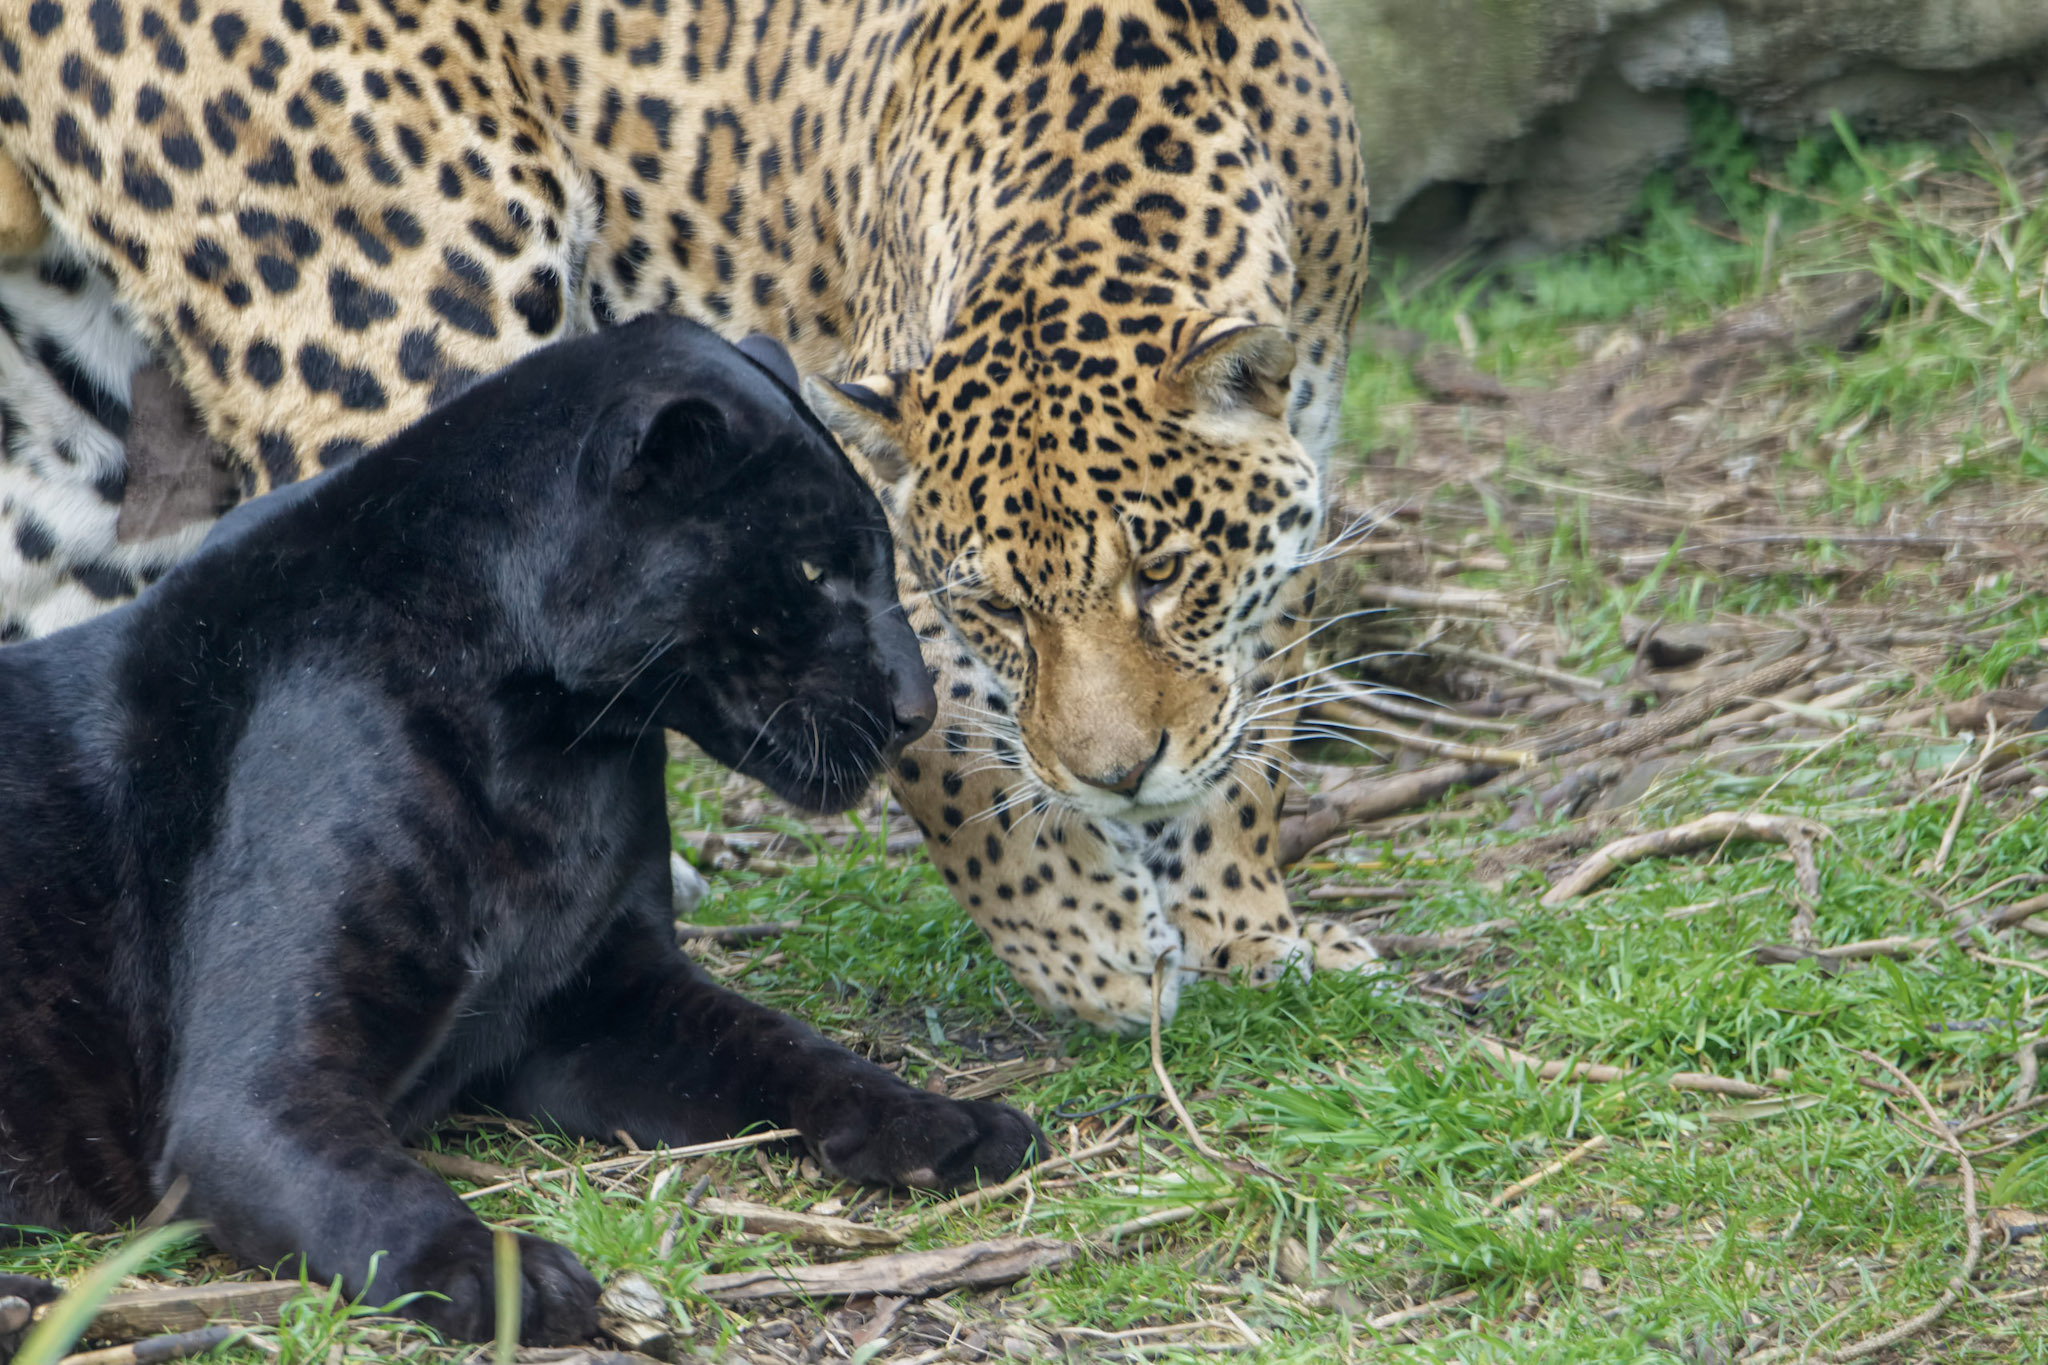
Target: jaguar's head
(1108, 506)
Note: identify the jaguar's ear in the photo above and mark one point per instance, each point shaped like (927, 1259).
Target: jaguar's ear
(1224, 364)
(868, 414)
(638, 447)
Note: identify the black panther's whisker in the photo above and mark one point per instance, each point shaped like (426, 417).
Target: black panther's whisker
(654, 651)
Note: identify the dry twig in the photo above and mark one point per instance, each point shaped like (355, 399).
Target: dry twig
(1694, 834)
(175, 1347)
(1018, 1181)
(1167, 1088)
(908, 1273)
(1543, 1173)
(1598, 1073)
(1959, 1283)
(1368, 798)
(1402, 1316)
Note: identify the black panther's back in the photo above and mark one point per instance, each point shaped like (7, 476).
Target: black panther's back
(359, 815)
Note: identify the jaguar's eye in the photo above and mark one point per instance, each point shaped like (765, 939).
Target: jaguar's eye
(1158, 573)
(812, 573)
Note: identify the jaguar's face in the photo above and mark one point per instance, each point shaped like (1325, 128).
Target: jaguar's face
(1109, 537)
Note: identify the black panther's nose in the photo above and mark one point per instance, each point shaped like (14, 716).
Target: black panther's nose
(915, 707)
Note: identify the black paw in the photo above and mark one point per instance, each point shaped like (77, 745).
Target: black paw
(19, 1297)
(894, 1135)
(557, 1297)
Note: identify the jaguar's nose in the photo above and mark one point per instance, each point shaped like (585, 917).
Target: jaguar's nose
(1125, 782)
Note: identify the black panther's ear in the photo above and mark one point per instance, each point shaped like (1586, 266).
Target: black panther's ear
(632, 449)
(767, 352)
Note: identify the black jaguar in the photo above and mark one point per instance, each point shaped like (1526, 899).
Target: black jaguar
(358, 816)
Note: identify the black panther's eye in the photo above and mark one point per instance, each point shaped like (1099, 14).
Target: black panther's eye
(1158, 573)
(812, 573)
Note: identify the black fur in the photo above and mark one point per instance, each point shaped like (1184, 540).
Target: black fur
(359, 815)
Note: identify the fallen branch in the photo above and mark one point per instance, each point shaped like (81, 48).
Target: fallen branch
(1773, 675)
(1779, 955)
(911, 1274)
(1543, 1173)
(1694, 834)
(1598, 1073)
(174, 1347)
(179, 1309)
(1458, 654)
(1402, 1316)
(1434, 599)
(813, 1229)
(1959, 1283)
(1109, 1237)
(1332, 812)
(2029, 1059)
(2004, 917)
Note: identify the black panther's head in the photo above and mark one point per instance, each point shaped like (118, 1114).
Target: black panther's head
(727, 573)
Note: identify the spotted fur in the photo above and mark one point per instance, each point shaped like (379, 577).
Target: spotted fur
(1074, 277)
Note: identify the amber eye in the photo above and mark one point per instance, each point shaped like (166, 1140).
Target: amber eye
(1001, 610)
(1158, 573)
(812, 573)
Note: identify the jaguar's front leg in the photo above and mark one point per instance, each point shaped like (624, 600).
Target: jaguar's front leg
(1223, 889)
(1066, 901)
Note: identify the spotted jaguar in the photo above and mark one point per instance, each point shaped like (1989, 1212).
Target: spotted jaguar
(1073, 279)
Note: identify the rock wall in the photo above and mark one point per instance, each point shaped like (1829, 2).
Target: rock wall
(1536, 120)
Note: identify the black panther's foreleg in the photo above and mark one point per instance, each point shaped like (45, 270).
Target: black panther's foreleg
(649, 1044)
(291, 1161)
(19, 1297)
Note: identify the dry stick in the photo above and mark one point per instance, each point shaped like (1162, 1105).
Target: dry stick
(2003, 918)
(1955, 822)
(1017, 1181)
(1772, 955)
(174, 1347)
(619, 1163)
(1166, 1088)
(2029, 1061)
(1597, 1073)
(1773, 675)
(1158, 1218)
(1459, 654)
(1335, 811)
(1423, 1310)
(1959, 1283)
(1694, 834)
(1434, 599)
(1543, 1173)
